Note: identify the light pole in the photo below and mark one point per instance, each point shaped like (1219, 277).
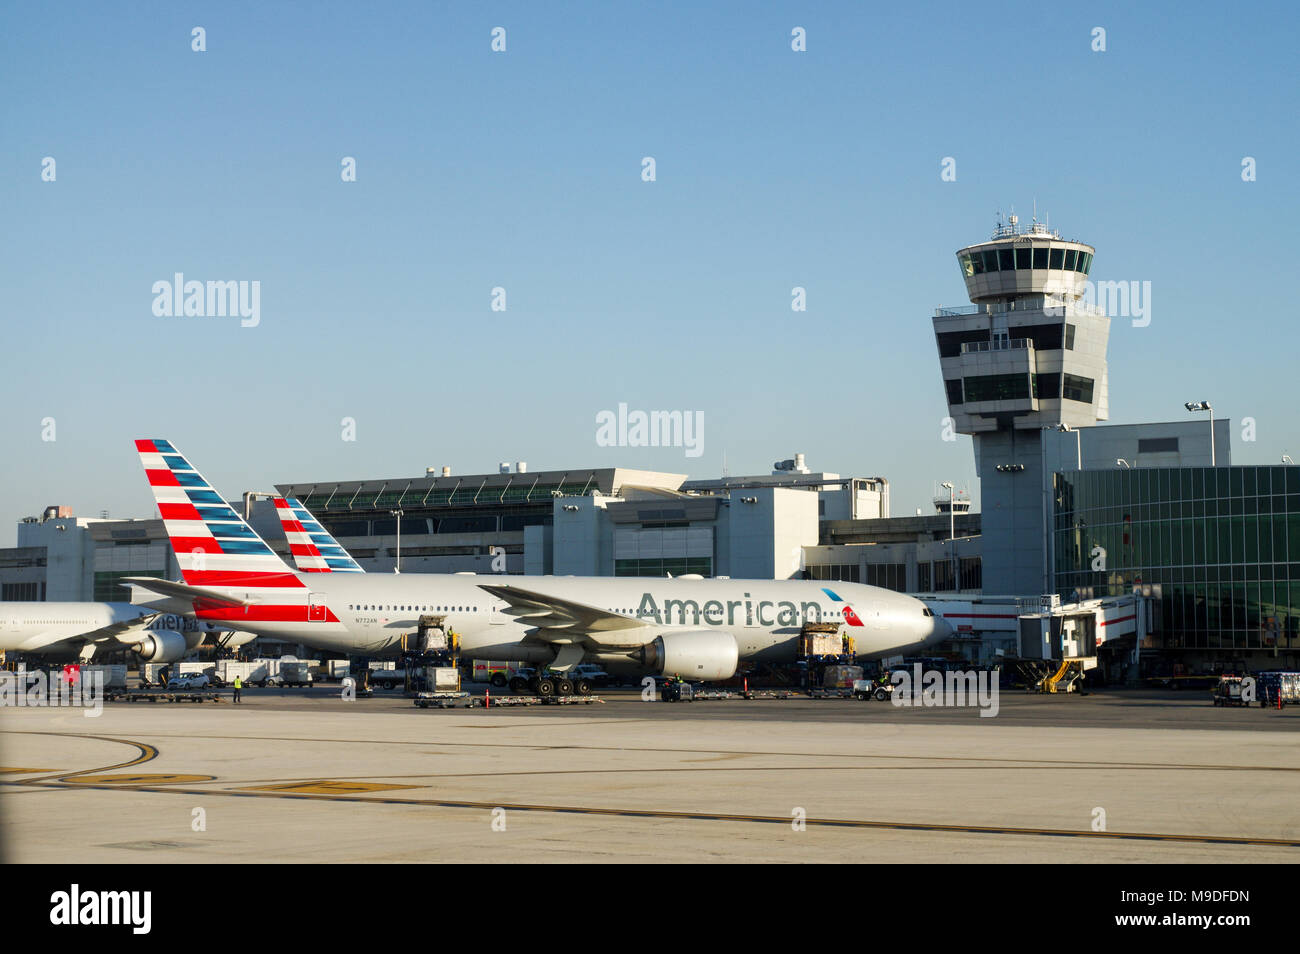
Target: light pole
(398, 515)
(1121, 462)
(1078, 444)
(952, 530)
(1286, 459)
(1195, 406)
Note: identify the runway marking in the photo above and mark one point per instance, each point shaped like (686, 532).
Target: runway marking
(324, 791)
(147, 753)
(128, 779)
(11, 770)
(328, 787)
(996, 761)
(783, 820)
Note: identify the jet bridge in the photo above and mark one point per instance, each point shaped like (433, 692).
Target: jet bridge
(1058, 642)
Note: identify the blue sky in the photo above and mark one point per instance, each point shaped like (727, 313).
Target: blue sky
(522, 170)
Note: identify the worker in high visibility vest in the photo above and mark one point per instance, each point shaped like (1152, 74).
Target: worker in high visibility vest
(239, 684)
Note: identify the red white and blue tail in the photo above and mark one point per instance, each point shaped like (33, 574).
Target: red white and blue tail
(313, 549)
(214, 546)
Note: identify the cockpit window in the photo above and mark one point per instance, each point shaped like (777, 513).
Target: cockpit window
(926, 611)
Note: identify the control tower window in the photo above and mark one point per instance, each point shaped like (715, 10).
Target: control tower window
(1075, 388)
(1006, 260)
(997, 387)
(1069, 337)
(990, 261)
(1040, 258)
(1022, 258)
(977, 263)
(966, 268)
(1085, 262)
(954, 391)
(1058, 258)
(1071, 257)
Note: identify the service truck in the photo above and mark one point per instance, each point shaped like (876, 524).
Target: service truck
(295, 672)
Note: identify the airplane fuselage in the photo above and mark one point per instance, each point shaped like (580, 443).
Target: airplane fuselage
(51, 629)
(368, 613)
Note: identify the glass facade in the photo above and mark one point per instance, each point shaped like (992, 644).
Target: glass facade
(890, 576)
(1040, 257)
(1218, 548)
(840, 572)
(661, 566)
(109, 590)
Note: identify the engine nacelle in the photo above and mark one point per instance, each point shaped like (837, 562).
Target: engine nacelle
(693, 654)
(161, 646)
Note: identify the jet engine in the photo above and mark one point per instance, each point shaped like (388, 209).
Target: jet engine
(692, 654)
(161, 646)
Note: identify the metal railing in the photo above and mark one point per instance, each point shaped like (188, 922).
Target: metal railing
(1008, 344)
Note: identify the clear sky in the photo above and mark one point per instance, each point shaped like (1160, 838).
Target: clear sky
(523, 170)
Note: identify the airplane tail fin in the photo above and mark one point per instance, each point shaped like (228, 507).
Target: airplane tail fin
(313, 549)
(214, 546)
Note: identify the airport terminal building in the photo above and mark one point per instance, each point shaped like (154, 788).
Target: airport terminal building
(1072, 509)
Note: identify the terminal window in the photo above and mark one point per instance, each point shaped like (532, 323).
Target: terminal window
(22, 592)
(890, 576)
(838, 572)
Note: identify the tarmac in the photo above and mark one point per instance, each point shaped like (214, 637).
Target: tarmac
(304, 776)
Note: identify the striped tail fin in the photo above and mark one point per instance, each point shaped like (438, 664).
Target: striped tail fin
(214, 546)
(313, 549)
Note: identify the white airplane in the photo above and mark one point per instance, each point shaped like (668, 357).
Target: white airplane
(690, 627)
(76, 631)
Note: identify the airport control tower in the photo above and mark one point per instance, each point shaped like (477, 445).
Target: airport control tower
(1028, 354)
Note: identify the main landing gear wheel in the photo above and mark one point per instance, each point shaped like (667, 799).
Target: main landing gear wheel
(582, 687)
(518, 685)
(545, 687)
(564, 686)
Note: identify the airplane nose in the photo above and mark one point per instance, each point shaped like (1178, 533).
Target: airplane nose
(939, 631)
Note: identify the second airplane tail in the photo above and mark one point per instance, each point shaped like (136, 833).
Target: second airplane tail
(312, 548)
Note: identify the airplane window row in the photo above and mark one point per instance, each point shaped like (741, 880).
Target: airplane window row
(413, 609)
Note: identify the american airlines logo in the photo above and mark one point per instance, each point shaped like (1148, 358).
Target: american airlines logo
(93, 908)
(734, 612)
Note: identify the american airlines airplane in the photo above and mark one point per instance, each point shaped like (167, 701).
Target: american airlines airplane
(76, 631)
(690, 627)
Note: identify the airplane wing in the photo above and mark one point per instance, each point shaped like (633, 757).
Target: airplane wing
(126, 632)
(184, 591)
(560, 620)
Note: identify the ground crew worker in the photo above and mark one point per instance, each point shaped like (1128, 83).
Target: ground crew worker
(239, 684)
